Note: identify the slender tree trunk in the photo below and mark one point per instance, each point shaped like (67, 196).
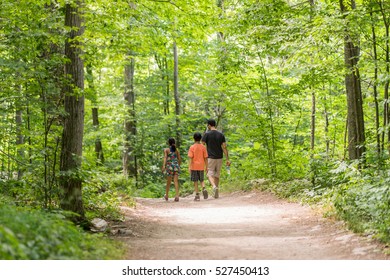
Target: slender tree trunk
(220, 109)
(95, 116)
(19, 137)
(379, 148)
(386, 117)
(313, 121)
(313, 98)
(176, 93)
(356, 134)
(72, 137)
(167, 87)
(51, 101)
(272, 149)
(313, 137)
(163, 66)
(326, 113)
(129, 157)
(98, 143)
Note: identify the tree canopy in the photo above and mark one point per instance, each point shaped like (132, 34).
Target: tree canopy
(299, 88)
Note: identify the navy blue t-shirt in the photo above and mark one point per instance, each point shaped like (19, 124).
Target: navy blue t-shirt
(214, 140)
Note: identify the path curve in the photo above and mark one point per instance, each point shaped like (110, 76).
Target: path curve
(241, 225)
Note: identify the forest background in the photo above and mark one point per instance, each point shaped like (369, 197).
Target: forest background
(90, 91)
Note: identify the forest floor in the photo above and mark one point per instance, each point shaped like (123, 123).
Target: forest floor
(241, 225)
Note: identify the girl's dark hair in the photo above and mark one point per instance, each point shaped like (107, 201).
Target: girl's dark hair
(172, 145)
(197, 136)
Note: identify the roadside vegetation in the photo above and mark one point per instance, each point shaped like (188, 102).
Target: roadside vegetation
(90, 92)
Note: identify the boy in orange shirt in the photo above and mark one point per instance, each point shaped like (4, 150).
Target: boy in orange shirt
(198, 164)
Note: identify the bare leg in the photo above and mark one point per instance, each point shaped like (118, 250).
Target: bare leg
(176, 181)
(202, 184)
(216, 181)
(204, 191)
(196, 187)
(212, 181)
(169, 180)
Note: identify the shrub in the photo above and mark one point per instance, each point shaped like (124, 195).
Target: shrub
(38, 235)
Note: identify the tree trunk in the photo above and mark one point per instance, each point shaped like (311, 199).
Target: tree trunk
(375, 87)
(386, 117)
(95, 116)
(72, 137)
(19, 140)
(313, 121)
(326, 114)
(220, 108)
(163, 66)
(270, 113)
(167, 88)
(356, 134)
(176, 93)
(98, 143)
(129, 158)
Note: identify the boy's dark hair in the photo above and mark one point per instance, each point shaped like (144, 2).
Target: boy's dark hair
(211, 122)
(197, 136)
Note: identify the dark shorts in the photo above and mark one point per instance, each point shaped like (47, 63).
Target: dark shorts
(197, 175)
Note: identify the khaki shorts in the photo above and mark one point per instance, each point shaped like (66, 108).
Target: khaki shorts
(214, 167)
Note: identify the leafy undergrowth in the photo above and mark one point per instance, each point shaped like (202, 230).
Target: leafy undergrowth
(28, 234)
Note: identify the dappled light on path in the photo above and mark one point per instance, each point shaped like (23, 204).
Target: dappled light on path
(238, 226)
(220, 215)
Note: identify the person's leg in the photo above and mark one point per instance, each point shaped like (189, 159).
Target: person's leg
(211, 171)
(216, 181)
(197, 197)
(201, 179)
(217, 174)
(194, 178)
(214, 184)
(169, 181)
(176, 182)
(214, 170)
(196, 187)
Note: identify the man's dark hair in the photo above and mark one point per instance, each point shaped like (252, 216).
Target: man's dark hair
(211, 122)
(197, 136)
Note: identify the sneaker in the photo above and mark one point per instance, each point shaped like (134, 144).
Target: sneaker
(205, 194)
(216, 192)
(197, 197)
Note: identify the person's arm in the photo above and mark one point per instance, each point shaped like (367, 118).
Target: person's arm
(225, 151)
(178, 156)
(190, 164)
(204, 139)
(206, 162)
(191, 156)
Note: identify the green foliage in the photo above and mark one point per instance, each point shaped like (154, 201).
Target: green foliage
(361, 198)
(27, 234)
(255, 66)
(364, 203)
(6, 200)
(151, 191)
(104, 193)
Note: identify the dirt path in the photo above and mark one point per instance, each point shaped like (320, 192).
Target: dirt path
(240, 225)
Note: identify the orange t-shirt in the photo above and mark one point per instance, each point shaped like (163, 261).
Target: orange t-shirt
(198, 153)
